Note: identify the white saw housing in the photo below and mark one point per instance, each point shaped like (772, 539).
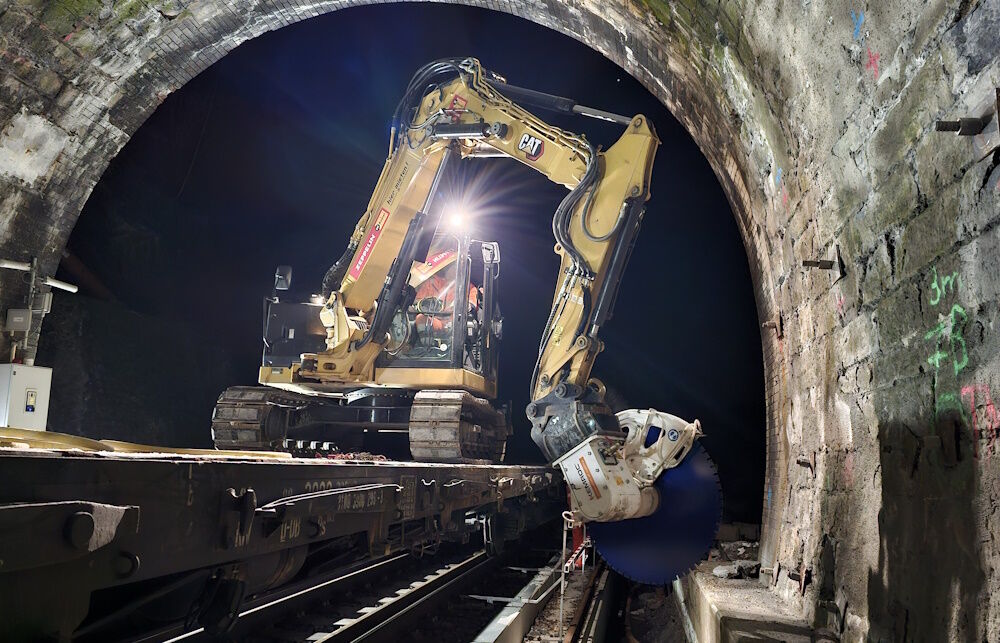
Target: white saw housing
(673, 443)
(610, 477)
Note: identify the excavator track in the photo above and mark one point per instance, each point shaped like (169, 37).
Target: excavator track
(443, 426)
(456, 426)
(251, 417)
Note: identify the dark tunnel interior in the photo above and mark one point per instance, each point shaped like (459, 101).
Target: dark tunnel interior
(269, 156)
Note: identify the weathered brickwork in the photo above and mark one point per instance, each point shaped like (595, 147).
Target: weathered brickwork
(818, 117)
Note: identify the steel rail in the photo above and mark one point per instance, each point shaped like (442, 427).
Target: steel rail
(373, 619)
(373, 625)
(287, 596)
(515, 620)
(591, 622)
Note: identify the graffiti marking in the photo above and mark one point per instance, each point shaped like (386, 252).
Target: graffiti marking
(873, 62)
(781, 187)
(950, 327)
(858, 20)
(992, 417)
(943, 285)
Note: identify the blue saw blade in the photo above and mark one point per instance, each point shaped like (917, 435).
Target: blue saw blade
(669, 542)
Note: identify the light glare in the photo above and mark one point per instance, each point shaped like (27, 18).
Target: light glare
(457, 216)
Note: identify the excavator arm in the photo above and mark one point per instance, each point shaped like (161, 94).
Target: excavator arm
(454, 109)
(468, 116)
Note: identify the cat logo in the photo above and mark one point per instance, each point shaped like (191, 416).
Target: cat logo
(531, 146)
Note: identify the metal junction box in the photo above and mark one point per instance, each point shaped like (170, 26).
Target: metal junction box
(24, 396)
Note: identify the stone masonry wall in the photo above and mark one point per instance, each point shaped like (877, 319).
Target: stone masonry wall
(880, 506)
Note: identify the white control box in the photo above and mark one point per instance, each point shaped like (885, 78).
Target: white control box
(24, 396)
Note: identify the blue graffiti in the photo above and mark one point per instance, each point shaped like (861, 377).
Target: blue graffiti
(777, 177)
(858, 20)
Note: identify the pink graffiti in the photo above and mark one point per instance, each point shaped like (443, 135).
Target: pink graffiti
(76, 28)
(873, 62)
(849, 469)
(992, 418)
(840, 303)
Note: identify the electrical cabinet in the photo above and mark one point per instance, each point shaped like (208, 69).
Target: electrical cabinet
(24, 396)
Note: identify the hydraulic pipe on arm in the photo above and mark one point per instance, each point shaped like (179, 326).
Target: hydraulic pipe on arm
(597, 235)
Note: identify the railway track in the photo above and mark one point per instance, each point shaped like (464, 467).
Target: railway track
(402, 597)
(482, 599)
(459, 593)
(378, 611)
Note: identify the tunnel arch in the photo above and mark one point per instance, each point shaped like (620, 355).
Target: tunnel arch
(168, 48)
(172, 49)
(753, 87)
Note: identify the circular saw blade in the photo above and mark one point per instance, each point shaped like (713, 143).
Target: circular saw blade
(669, 542)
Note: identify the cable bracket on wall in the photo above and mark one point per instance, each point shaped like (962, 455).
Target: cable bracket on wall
(836, 263)
(984, 129)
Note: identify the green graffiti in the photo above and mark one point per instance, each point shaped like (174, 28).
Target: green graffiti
(948, 402)
(936, 359)
(942, 286)
(952, 329)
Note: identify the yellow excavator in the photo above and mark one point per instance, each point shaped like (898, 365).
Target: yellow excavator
(404, 338)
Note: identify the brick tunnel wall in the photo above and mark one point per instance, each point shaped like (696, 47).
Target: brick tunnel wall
(818, 118)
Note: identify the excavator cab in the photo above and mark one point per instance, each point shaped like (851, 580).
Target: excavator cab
(447, 337)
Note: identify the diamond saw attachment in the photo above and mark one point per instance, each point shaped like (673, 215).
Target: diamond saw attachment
(669, 542)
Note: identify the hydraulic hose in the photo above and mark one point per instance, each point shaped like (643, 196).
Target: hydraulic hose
(564, 213)
(335, 275)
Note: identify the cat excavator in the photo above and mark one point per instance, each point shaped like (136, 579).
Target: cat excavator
(404, 337)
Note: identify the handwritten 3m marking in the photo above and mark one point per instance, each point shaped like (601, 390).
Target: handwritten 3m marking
(950, 327)
(872, 63)
(992, 417)
(858, 20)
(943, 285)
